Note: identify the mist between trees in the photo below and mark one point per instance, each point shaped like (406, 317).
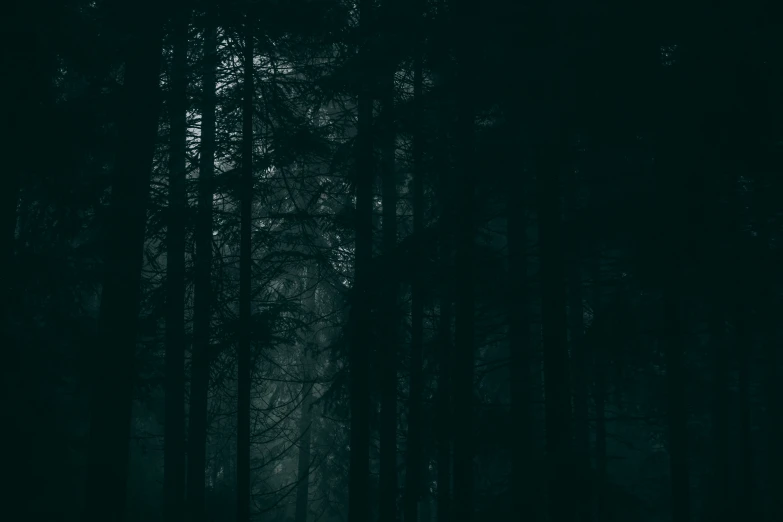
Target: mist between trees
(418, 260)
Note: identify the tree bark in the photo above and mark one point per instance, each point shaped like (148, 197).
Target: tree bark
(444, 399)
(202, 306)
(465, 237)
(554, 328)
(413, 482)
(444, 402)
(305, 438)
(305, 421)
(359, 360)
(112, 371)
(678, 414)
(245, 274)
(519, 348)
(174, 423)
(600, 363)
(720, 494)
(390, 316)
(774, 506)
(744, 354)
(580, 371)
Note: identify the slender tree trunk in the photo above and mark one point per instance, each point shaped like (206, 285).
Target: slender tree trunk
(359, 363)
(413, 482)
(744, 353)
(602, 508)
(720, 493)
(444, 417)
(390, 317)
(426, 508)
(774, 506)
(600, 362)
(555, 328)
(678, 414)
(465, 322)
(675, 160)
(579, 377)
(548, 124)
(29, 66)
(112, 369)
(305, 421)
(519, 348)
(443, 429)
(174, 424)
(305, 438)
(202, 306)
(26, 59)
(245, 269)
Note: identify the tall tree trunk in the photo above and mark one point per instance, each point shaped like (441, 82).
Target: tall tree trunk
(305, 421)
(245, 269)
(443, 430)
(548, 129)
(174, 424)
(600, 362)
(519, 348)
(112, 371)
(359, 363)
(359, 509)
(426, 508)
(29, 66)
(390, 316)
(413, 482)
(602, 501)
(677, 412)
(465, 321)
(305, 438)
(202, 306)
(744, 353)
(675, 160)
(554, 326)
(579, 378)
(774, 506)
(720, 427)
(443, 427)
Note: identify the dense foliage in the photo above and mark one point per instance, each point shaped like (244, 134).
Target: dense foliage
(424, 259)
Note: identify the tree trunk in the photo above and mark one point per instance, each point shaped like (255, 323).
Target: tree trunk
(444, 417)
(27, 60)
(744, 352)
(554, 327)
(465, 322)
(678, 414)
(413, 486)
(443, 426)
(390, 316)
(174, 424)
(305, 437)
(245, 269)
(774, 506)
(112, 371)
(720, 437)
(202, 306)
(600, 363)
(359, 363)
(579, 377)
(519, 348)
(305, 421)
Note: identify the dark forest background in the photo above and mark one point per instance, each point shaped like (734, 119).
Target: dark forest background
(453, 260)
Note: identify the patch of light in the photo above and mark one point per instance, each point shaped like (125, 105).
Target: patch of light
(667, 54)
